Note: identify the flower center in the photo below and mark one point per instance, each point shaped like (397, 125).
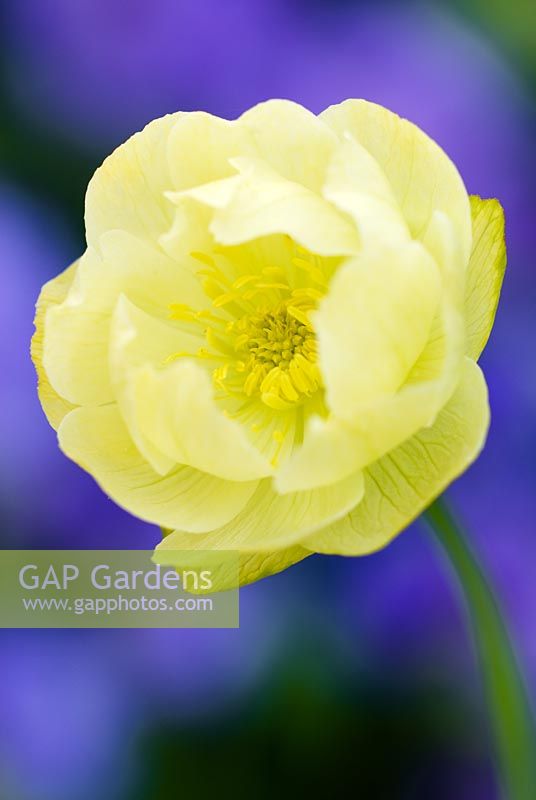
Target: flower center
(277, 355)
(261, 343)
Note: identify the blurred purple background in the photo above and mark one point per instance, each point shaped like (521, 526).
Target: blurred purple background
(123, 714)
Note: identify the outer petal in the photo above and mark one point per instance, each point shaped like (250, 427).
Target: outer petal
(169, 409)
(485, 273)
(127, 191)
(421, 175)
(272, 522)
(252, 566)
(75, 354)
(77, 331)
(259, 202)
(296, 143)
(52, 294)
(374, 323)
(401, 484)
(97, 439)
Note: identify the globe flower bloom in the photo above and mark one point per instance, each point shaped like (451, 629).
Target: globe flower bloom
(270, 342)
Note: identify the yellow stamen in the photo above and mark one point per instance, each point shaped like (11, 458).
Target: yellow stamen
(204, 258)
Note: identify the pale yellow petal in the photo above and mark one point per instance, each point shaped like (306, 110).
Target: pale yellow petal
(177, 413)
(255, 566)
(404, 482)
(189, 232)
(97, 439)
(440, 240)
(332, 449)
(273, 522)
(272, 432)
(77, 331)
(329, 452)
(138, 269)
(485, 273)
(169, 408)
(259, 202)
(214, 194)
(137, 339)
(357, 185)
(146, 275)
(52, 294)
(421, 175)
(295, 142)
(176, 548)
(200, 146)
(374, 323)
(75, 354)
(127, 191)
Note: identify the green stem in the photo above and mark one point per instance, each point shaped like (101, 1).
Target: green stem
(509, 707)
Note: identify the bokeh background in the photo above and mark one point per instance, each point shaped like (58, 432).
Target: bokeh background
(346, 676)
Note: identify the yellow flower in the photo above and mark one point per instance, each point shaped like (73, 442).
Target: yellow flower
(270, 342)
